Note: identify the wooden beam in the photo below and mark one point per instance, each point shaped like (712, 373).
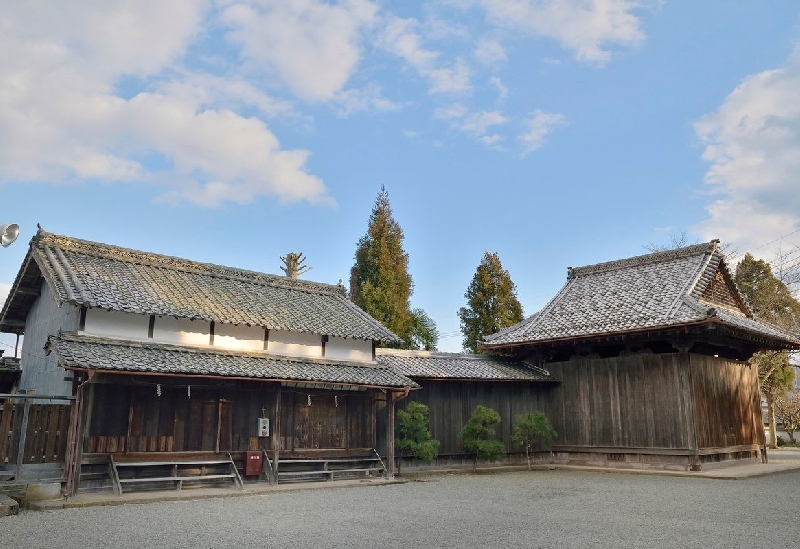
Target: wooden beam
(28, 291)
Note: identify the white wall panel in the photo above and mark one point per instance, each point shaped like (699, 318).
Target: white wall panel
(181, 331)
(283, 342)
(116, 324)
(349, 349)
(229, 336)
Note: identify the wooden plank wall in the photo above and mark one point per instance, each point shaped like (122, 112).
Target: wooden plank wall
(451, 404)
(637, 401)
(133, 418)
(727, 402)
(46, 435)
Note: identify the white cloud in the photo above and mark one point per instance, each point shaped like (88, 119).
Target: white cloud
(401, 38)
(752, 143)
(490, 52)
(474, 124)
(478, 122)
(502, 90)
(63, 119)
(370, 98)
(312, 46)
(539, 126)
(587, 28)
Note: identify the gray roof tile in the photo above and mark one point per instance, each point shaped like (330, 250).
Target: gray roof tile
(89, 274)
(105, 354)
(651, 291)
(434, 365)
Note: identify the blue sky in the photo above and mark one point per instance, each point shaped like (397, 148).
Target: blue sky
(554, 133)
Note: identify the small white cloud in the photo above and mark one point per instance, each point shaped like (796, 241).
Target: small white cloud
(400, 37)
(369, 98)
(502, 90)
(477, 123)
(586, 28)
(551, 61)
(752, 145)
(474, 124)
(313, 46)
(490, 52)
(409, 133)
(453, 79)
(539, 126)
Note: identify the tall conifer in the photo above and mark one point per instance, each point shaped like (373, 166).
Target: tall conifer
(491, 302)
(379, 282)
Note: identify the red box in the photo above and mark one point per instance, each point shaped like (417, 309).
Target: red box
(253, 463)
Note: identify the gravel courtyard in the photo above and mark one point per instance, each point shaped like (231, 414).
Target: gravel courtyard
(519, 509)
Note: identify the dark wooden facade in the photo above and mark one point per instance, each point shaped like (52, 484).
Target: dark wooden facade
(681, 410)
(452, 402)
(162, 419)
(676, 410)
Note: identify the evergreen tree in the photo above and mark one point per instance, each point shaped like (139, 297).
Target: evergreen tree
(491, 302)
(531, 428)
(479, 437)
(412, 436)
(772, 301)
(379, 281)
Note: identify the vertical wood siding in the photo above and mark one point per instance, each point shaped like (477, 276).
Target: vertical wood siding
(727, 402)
(133, 418)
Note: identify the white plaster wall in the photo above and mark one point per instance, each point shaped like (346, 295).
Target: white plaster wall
(247, 338)
(40, 372)
(116, 324)
(181, 331)
(339, 348)
(283, 342)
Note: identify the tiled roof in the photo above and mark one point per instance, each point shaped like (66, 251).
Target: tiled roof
(434, 365)
(653, 291)
(105, 354)
(89, 274)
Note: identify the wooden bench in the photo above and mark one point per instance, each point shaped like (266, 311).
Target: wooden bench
(175, 472)
(329, 469)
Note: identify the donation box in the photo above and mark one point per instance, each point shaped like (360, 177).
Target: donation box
(253, 462)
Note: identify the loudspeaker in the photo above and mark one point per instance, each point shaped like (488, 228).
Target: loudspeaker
(8, 234)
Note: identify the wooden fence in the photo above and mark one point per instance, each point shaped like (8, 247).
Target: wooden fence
(33, 431)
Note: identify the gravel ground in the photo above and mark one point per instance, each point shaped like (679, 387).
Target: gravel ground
(520, 509)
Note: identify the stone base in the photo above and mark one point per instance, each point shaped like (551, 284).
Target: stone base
(8, 506)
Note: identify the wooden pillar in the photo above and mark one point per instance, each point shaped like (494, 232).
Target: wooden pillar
(22, 436)
(276, 437)
(390, 434)
(84, 420)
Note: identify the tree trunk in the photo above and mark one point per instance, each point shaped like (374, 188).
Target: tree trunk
(790, 433)
(773, 429)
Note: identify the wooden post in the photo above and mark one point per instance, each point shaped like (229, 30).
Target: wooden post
(130, 420)
(219, 420)
(22, 436)
(276, 437)
(390, 434)
(84, 420)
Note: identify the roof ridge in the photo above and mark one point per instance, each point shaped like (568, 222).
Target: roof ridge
(639, 260)
(130, 255)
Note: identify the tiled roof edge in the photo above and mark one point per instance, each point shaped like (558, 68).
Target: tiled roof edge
(129, 255)
(640, 260)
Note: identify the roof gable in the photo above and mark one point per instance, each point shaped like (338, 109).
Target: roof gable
(91, 274)
(641, 293)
